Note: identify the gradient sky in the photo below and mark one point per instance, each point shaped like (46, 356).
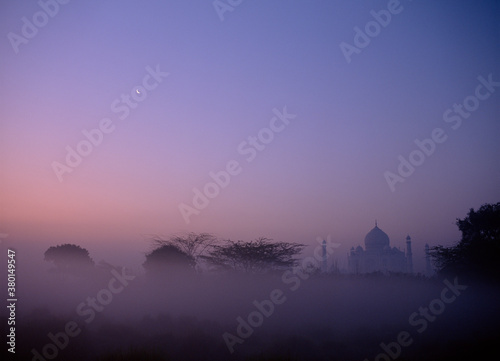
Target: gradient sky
(323, 174)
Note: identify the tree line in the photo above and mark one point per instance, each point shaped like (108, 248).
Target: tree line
(193, 252)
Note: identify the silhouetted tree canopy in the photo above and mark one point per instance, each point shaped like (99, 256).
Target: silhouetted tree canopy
(192, 244)
(258, 256)
(68, 258)
(168, 258)
(477, 252)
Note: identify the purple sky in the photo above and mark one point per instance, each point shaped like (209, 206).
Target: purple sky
(322, 174)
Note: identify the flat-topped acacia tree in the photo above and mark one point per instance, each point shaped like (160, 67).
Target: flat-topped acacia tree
(257, 257)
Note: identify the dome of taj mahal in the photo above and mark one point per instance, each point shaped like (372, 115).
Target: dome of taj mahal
(376, 239)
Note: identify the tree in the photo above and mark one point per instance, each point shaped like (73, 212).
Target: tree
(168, 258)
(258, 256)
(477, 252)
(192, 244)
(69, 258)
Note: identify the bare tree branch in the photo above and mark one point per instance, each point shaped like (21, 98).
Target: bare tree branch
(258, 256)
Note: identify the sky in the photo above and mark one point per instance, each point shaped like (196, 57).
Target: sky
(205, 77)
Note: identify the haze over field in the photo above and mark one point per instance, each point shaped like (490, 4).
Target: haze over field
(289, 315)
(323, 174)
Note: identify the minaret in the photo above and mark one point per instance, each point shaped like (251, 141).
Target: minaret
(409, 255)
(428, 268)
(323, 266)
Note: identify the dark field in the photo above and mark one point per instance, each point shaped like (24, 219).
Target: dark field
(321, 318)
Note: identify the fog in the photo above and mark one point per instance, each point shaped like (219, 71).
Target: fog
(288, 119)
(110, 312)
